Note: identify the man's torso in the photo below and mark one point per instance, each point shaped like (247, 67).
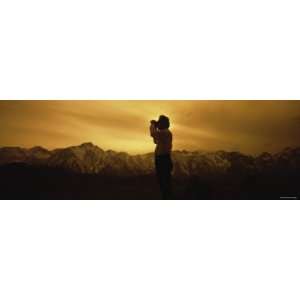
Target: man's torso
(164, 143)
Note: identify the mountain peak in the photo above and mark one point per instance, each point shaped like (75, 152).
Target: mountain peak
(87, 144)
(38, 148)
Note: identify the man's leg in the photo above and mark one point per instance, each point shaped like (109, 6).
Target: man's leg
(168, 185)
(161, 182)
(159, 176)
(163, 173)
(170, 192)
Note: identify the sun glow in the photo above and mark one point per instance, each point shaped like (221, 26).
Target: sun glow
(124, 125)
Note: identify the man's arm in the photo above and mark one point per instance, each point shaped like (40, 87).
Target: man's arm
(154, 133)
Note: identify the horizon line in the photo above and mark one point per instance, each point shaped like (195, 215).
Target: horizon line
(151, 152)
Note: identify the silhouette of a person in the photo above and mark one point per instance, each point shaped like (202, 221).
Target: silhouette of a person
(162, 137)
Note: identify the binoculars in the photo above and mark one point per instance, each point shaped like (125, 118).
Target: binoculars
(154, 122)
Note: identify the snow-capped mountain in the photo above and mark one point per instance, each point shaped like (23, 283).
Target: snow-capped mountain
(89, 158)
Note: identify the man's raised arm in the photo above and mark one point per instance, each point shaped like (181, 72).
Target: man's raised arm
(154, 132)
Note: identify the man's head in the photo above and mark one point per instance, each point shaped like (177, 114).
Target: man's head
(163, 122)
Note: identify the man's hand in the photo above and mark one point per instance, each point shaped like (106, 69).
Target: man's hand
(153, 130)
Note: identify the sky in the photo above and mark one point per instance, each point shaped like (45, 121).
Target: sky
(250, 127)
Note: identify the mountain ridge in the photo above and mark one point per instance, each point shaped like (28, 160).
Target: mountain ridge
(91, 159)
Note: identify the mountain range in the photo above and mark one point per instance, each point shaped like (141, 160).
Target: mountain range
(88, 158)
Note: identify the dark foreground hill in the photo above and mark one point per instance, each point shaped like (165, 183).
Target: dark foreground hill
(88, 172)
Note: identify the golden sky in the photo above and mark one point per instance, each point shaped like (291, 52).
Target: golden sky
(246, 126)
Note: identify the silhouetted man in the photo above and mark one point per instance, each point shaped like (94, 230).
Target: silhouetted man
(162, 137)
